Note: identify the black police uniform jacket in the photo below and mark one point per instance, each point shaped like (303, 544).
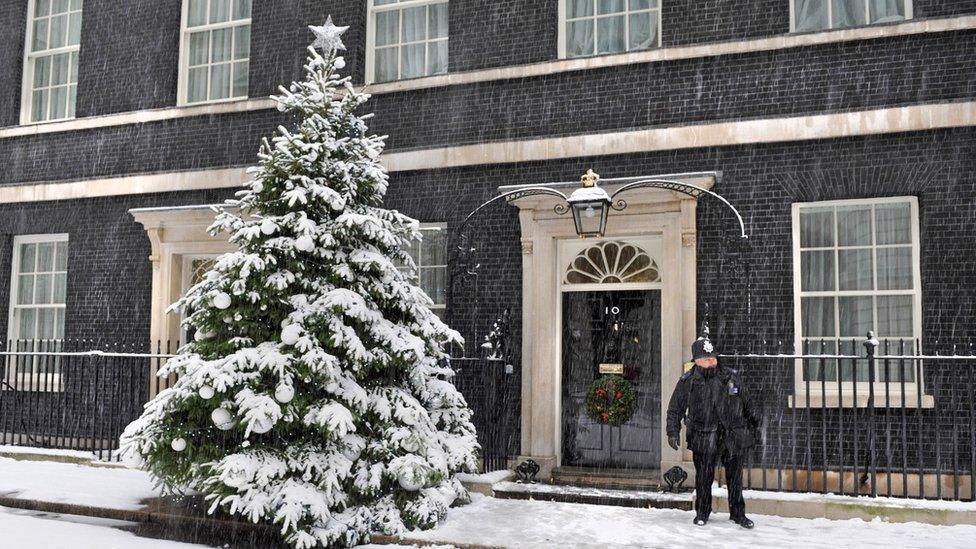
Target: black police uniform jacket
(717, 406)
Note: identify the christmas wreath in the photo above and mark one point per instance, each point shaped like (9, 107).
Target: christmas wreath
(610, 400)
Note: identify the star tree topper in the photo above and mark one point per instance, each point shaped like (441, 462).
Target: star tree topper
(327, 36)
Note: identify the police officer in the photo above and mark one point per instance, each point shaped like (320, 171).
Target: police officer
(720, 421)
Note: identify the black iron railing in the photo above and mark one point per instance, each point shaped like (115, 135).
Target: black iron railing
(886, 421)
(76, 395)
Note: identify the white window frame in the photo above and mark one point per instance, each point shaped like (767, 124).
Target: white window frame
(830, 388)
(27, 84)
(372, 10)
(21, 380)
(438, 308)
(563, 37)
(909, 14)
(183, 76)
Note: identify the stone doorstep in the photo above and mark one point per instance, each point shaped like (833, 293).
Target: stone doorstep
(187, 525)
(595, 496)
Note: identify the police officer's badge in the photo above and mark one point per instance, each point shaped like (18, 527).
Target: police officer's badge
(707, 345)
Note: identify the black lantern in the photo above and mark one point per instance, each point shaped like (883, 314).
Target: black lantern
(590, 205)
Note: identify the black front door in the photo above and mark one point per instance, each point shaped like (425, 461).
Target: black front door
(617, 327)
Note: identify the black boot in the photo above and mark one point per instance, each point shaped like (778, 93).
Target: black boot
(700, 521)
(743, 521)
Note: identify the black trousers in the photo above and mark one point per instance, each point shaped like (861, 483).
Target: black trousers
(705, 474)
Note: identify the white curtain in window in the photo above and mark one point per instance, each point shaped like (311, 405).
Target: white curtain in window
(810, 15)
(848, 13)
(580, 41)
(884, 11)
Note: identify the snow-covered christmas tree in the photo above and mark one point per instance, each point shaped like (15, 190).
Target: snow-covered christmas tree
(315, 395)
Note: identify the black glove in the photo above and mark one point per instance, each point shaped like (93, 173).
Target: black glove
(674, 442)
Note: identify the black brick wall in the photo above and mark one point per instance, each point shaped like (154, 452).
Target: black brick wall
(827, 78)
(13, 17)
(129, 56)
(503, 32)
(686, 22)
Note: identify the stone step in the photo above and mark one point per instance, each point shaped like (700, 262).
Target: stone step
(614, 479)
(596, 496)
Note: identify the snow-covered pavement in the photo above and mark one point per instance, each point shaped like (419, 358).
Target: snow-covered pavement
(539, 525)
(25, 530)
(487, 521)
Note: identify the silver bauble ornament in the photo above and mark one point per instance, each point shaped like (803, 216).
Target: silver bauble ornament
(268, 227)
(262, 426)
(304, 244)
(411, 479)
(221, 301)
(206, 392)
(223, 419)
(284, 393)
(340, 63)
(290, 335)
(178, 444)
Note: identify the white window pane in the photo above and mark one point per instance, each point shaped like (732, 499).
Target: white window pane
(73, 76)
(854, 226)
(74, 29)
(817, 271)
(895, 268)
(72, 99)
(220, 81)
(412, 60)
(25, 289)
(59, 102)
(810, 15)
(386, 64)
(847, 13)
(893, 223)
(219, 11)
(76, 5)
(220, 45)
(610, 34)
(26, 327)
(579, 8)
(28, 255)
(816, 228)
(855, 270)
(60, 6)
(609, 6)
(42, 72)
(856, 315)
(42, 8)
(45, 257)
(437, 57)
(46, 319)
(886, 11)
(61, 256)
(385, 2)
(61, 69)
(43, 288)
(818, 317)
(437, 26)
(242, 42)
(59, 31)
(199, 48)
(60, 287)
(197, 88)
(39, 34)
(387, 27)
(242, 9)
(196, 13)
(434, 247)
(643, 31)
(579, 38)
(39, 105)
(895, 318)
(414, 24)
(59, 324)
(240, 79)
(434, 283)
(640, 5)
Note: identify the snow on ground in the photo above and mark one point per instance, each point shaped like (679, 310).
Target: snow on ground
(485, 478)
(22, 530)
(115, 488)
(542, 525)
(901, 503)
(8, 449)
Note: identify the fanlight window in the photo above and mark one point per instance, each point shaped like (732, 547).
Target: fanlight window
(612, 262)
